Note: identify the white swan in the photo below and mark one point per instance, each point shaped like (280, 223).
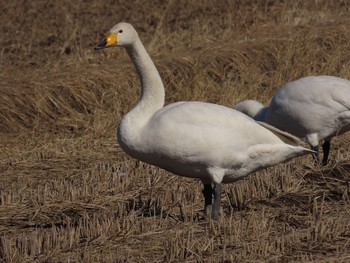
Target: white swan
(195, 139)
(315, 107)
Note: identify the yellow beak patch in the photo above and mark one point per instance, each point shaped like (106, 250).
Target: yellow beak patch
(108, 41)
(111, 39)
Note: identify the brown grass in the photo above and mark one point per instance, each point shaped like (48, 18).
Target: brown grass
(69, 194)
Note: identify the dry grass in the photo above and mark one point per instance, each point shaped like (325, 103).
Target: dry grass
(69, 194)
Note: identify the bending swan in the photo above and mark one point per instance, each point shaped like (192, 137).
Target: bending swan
(194, 139)
(316, 107)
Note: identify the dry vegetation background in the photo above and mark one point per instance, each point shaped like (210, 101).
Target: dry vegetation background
(69, 194)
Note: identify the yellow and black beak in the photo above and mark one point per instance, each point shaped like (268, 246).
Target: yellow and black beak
(108, 41)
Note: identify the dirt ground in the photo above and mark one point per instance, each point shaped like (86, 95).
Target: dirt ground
(68, 193)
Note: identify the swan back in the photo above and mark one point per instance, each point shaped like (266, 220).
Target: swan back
(249, 107)
(252, 108)
(311, 105)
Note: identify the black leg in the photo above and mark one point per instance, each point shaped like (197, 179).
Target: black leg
(208, 196)
(326, 146)
(217, 201)
(315, 155)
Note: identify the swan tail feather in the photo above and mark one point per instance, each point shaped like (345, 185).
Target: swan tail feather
(284, 136)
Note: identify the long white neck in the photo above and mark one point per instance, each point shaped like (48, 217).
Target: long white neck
(152, 89)
(129, 131)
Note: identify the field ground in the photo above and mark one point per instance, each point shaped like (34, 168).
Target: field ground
(69, 194)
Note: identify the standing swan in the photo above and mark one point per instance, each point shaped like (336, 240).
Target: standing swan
(195, 139)
(316, 107)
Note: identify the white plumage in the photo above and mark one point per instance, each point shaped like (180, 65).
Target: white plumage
(194, 139)
(315, 107)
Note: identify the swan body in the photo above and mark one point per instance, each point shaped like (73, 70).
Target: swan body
(316, 108)
(205, 141)
(194, 139)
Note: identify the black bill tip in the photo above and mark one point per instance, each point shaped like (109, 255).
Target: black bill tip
(102, 45)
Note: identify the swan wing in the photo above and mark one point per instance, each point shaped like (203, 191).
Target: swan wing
(284, 136)
(192, 137)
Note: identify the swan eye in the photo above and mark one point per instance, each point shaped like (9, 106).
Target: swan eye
(120, 31)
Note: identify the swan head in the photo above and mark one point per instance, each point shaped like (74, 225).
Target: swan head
(122, 34)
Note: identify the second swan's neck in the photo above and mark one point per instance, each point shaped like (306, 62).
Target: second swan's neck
(152, 89)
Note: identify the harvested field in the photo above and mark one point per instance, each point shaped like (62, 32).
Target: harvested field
(68, 193)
